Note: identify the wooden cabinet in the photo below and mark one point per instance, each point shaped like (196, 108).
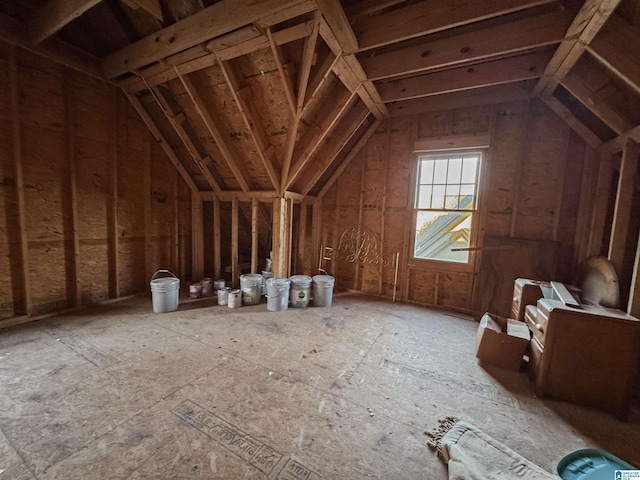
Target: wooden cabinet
(587, 355)
(525, 292)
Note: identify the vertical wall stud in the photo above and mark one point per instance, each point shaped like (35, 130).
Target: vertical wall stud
(217, 260)
(302, 237)
(254, 235)
(197, 249)
(148, 244)
(605, 172)
(112, 201)
(234, 242)
(16, 139)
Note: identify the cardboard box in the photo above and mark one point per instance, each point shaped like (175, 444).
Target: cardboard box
(501, 342)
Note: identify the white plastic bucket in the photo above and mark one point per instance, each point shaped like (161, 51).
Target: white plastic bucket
(195, 290)
(251, 285)
(300, 291)
(223, 295)
(266, 275)
(323, 290)
(218, 284)
(278, 294)
(207, 286)
(234, 300)
(164, 292)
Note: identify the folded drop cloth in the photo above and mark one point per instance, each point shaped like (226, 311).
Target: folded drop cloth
(471, 454)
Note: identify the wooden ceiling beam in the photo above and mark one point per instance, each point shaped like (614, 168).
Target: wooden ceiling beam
(176, 121)
(215, 126)
(155, 131)
(616, 47)
(485, 43)
(285, 78)
(350, 126)
(339, 23)
(316, 134)
(508, 92)
(232, 45)
(424, 17)
(251, 120)
(586, 25)
(576, 125)
(152, 7)
(494, 72)
(213, 21)
(349, 158)
(602, 108)
(308, 55)
(54, 15)
(15, 33)
(617, 144)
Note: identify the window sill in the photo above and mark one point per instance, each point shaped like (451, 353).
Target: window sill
(440, 266)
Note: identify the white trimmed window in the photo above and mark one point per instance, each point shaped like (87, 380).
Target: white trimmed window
(445, 205)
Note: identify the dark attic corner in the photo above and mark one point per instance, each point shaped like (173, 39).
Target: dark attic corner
(317, 239)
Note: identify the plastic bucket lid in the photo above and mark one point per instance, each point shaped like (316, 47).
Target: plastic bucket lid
(591, 464)
(323, 280)
(251, 278)
(303, 281)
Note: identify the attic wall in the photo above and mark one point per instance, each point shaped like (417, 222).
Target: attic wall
(529, 210)
(103, 207)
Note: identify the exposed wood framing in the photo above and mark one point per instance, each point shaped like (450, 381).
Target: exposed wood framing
(383, 204)
(284, 76)
(576, 125)
(235, 275)
(349, 158)
(577, 85)
(493, 72)
(316, 225)
(197, 241)
(422, 18)
(175, 226)
(600, 204)
(16, 144)
(302, 237)
(352, 122)
(152, 7)
(218, 19)
(254, 235)
(214, 125)
(281, 237)
(217, 261)
(587, 193)
(524, 149)
(16, 33)
(252, 121)
(148, 121)
(336, 19)
(308, 54)
(316, 134)
(72, 204)
(613, 47)
(54, 15)
(146, 192)
(177, 121)
(448, 142)
(624, 200)
(618, 143)
(633, 306)
(585, 26)
(485, 43)
(112, 201)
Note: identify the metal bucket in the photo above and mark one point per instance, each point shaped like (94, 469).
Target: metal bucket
(278, 294)
(164, 292)
(323, 290)
(300, 291)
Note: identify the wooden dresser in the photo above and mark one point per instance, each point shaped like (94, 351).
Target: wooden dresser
(587, 355)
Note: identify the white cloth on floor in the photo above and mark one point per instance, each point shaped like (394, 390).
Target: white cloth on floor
(471, 454)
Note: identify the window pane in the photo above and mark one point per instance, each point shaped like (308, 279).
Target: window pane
(426, 171)
(453, 197)
(466, 196)
(455, 170)
(440, 172)
(438, 196)
(439, 233)
(424, 197)
(469, 168)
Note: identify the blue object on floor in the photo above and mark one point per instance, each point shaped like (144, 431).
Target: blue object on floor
(591, 464)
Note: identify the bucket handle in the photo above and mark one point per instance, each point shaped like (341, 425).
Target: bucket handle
(162, 271)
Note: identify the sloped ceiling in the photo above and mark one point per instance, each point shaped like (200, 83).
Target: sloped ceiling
(268, 97)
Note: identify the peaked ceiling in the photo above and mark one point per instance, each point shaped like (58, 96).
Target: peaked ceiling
(263, 97)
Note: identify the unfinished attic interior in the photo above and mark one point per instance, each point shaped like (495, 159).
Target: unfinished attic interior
(447, 164)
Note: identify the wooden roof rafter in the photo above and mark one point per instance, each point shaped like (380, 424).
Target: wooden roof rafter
(214, 125)
(216, 20)
(55, 15)
(584, 28)
(352, 122)
(241, 94)
(176, 120)
(316, 134)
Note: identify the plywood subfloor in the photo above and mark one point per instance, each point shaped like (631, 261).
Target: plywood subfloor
(117, 392)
